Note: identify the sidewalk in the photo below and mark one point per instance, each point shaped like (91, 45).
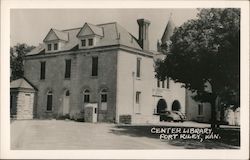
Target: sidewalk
(184, 124)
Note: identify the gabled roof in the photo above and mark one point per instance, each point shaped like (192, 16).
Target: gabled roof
(60, 35)
(111, 34)
(93, 29)
(21, 83)
(169, 30)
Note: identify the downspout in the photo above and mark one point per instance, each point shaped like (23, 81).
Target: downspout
(133, 100)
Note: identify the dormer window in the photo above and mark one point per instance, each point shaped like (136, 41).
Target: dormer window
(55, 40)
(89, 36)
(55, 46)
(90, 42)
(83, 42)
(49, 47)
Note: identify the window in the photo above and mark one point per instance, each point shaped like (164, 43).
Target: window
(167, 82)
(90, 42)
(67, 68)
(49, 47)
(200, 109)
(158, 83)
(11, 101)
(138, 67)
(67, 93)
(163, 84)
(104, 95)
(56, 46)
(83, 42)
(49, 101)
(86, 96)
(104, 99)
(137, 97)
(94, 66)
(43, 69)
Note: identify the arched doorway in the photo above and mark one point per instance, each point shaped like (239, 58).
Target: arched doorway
(66, 102)
(161, 106)
(176, 106)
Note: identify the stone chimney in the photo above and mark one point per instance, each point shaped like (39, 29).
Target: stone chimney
(143, 33)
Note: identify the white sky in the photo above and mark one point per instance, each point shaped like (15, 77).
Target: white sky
(30, 26)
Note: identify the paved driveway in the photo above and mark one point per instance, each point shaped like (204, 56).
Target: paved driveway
(66, 135)
(59, 134)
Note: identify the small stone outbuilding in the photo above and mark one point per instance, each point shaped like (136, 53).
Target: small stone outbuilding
(22, 98)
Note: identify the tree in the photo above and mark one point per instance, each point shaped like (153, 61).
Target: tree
(205, 51)
(17, 54)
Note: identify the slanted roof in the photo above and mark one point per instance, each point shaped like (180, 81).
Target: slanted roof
(97, 30)
(111, 34)
(21, 83)
(55, 34)
(169, 30)
(37, 49)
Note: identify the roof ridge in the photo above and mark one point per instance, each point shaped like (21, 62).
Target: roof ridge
(87, 23)
(72, 29)
(106, 23)
(56, 29)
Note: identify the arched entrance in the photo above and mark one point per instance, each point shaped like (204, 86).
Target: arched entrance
(176, 106)
(161, 106)
(66, 102)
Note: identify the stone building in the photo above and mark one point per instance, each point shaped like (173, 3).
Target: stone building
(22, 99)
(102, 70)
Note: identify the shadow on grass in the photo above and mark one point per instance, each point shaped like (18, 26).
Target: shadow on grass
(230, 138)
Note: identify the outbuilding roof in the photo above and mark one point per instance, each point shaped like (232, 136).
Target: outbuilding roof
(21, 83)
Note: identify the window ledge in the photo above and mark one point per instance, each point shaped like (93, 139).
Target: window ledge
(48, 111)
(200, 116)
(66, 78)
(138, 78)
(94, 77)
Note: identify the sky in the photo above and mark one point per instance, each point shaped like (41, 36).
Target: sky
(30, 26)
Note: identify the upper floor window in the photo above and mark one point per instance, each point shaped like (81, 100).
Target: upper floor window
(167, 82)
(83, 42)
(67, 68)
(55, 46)
(163, 84)
(94, 66)
(137, 97)
(42, 71)
(49, 101)
(138, 67)
(49, 47)
(158, 83)
(90, 41)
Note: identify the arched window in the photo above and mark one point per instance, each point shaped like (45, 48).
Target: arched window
(104, 99)
(86, 96)
(176, 106)
(67, 93)
(104, 95)
(161, 106)
(49, 101)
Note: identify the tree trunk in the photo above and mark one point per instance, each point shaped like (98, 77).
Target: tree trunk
(213, 112)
